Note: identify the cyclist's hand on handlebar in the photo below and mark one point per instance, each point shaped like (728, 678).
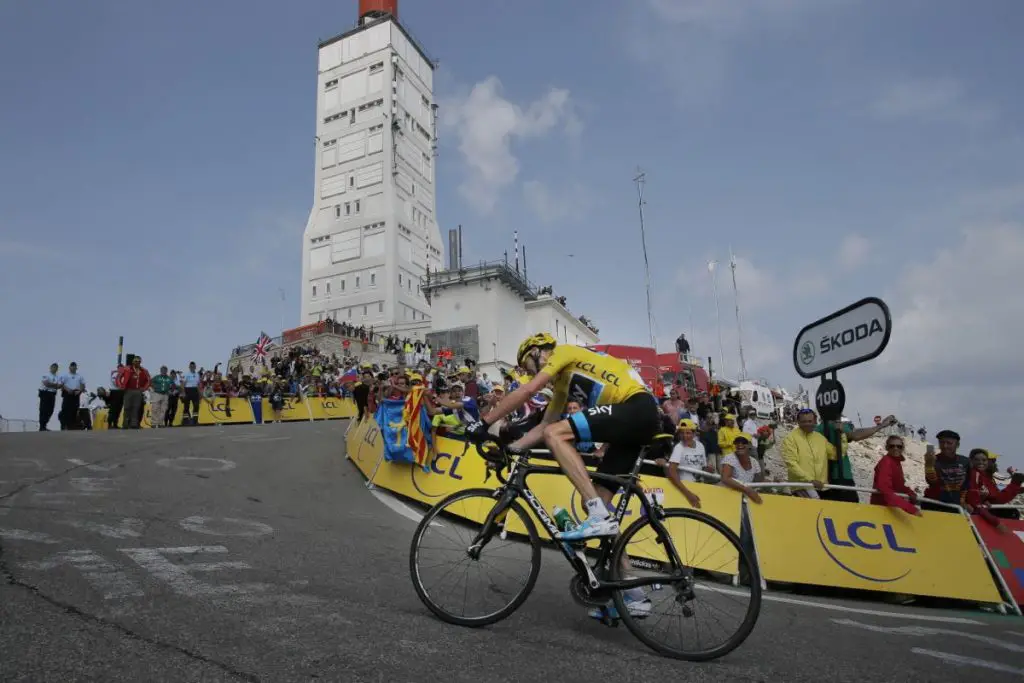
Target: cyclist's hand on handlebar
(477, 432)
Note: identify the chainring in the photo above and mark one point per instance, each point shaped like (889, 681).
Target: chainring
(584, 595)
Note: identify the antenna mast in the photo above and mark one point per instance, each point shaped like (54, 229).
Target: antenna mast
(739, 328)
(640, 179)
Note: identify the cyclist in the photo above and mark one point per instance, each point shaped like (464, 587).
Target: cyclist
(619, 412)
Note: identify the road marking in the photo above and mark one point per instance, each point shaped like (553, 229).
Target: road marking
(1015, 633)
(218, 464)
(97, 570)
(397, 506)
(969, 661)
(181, 581)
(22, 535)
(258, 438)
(95, 467)
(215, 526)
(927, 631)
(24, 462)
(93, 484)
(850, 610)
(129, 528)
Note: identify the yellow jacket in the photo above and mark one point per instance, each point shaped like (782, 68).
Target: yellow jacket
(726, 436)
(806, 456)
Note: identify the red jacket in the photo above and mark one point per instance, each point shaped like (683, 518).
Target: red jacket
(127, 378)
(888, 482)
(978, 481)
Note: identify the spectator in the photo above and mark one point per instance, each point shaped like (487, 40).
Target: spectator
(946, 473)
(750, 425)
(48, 396)
(691, 411)
(682, 345)
(982, 491)
(159, 399)
(687, 452)
(727, 434)
(115, 399)
(84, 412)
(889, 480)
(190, 384)
(739, 469)
(840, 471)
(806, 454)
(72, 385)
(133, 380)
(173, 395)
(673, 405)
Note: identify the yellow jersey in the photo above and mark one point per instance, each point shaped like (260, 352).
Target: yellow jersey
(589, 377)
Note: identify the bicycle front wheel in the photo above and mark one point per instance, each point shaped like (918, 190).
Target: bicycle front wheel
(712, 602)
(467, 565)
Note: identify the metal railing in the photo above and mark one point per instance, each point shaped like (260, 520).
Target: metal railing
(15, 425)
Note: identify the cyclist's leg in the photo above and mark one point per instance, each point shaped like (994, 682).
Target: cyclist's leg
(559, 437)
(618, 461)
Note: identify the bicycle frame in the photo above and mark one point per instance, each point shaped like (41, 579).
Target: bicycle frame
(515, 486)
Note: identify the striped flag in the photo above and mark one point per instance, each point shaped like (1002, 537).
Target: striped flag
(415, 417)
(263, 344)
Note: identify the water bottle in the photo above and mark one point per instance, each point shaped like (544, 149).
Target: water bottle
(563, 520)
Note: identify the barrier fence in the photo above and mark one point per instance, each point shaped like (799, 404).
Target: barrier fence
(796, 540)
(222, 411)
(8, 425)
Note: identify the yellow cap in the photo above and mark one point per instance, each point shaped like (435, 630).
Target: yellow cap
(688, 424)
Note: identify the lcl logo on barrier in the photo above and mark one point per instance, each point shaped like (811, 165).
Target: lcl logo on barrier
(444, 465)
(859, 544)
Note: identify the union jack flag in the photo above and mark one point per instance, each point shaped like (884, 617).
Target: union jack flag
(263, 345)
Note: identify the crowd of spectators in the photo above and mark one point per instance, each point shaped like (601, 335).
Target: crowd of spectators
(717, 437)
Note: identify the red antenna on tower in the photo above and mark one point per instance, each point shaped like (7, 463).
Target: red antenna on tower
(377, 9)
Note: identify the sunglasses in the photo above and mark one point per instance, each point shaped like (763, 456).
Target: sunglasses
(896, 446)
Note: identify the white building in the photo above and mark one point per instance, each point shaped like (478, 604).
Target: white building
(485, 311)
(372, 230)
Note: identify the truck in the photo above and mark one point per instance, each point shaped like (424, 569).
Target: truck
(661, 370)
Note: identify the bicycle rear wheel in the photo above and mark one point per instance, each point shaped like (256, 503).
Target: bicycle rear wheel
(446, 572)
(718, 580)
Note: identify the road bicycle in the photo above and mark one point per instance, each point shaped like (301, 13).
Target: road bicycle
(491, 525)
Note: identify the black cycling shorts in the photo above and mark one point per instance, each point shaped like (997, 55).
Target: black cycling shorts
(625, 427)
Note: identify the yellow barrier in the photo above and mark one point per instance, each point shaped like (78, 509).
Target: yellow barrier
(215, 411)
(330, 408)
(295, 408)
(869, 547)
(452, 471)
(798, 540)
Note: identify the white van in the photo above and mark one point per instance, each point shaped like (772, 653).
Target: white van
(760, 397)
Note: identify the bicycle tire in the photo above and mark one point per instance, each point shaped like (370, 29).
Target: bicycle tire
(745, 562)
(516, 602)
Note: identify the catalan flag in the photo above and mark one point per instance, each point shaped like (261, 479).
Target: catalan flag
(415, 418)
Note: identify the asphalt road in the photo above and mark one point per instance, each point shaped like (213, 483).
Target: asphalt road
(256, 553)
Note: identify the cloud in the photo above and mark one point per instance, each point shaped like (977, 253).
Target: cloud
(935, 99)
(486, 125)
(854, 251)
(954, 358)
(556, 206)
(759, 286)
(691, 42)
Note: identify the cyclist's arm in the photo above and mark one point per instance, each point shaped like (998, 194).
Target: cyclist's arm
(516, 399)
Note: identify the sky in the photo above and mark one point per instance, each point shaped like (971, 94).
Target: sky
(157, 172)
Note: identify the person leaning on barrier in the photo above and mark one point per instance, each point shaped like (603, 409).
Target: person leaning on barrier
(806, 454)
(946, 473)
(889, 480)
(982, 491)
(739, 468)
